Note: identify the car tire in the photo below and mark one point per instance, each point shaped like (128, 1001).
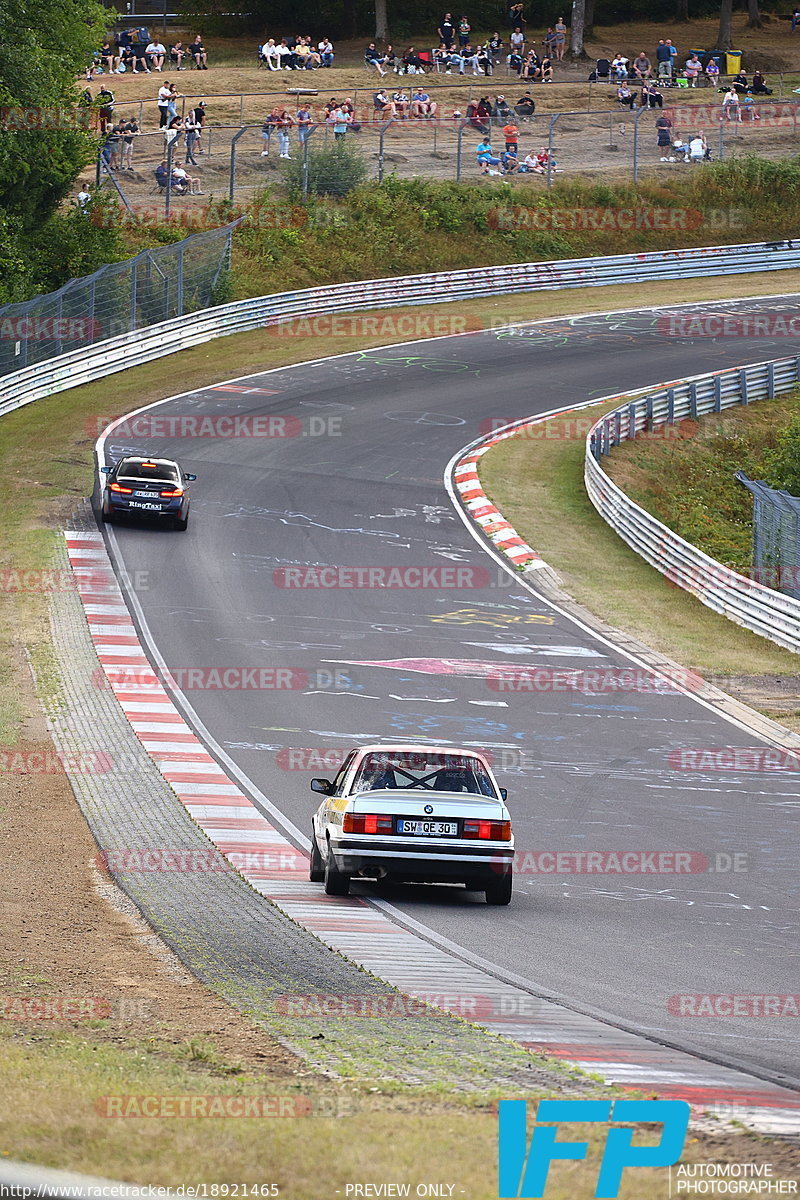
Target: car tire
(316, 867)
(336, 882)
(181, 524)
(106, 517)
(499, 891)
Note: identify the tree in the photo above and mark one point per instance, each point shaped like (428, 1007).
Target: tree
(725, 35)
(682, 10)
(753, 15)
(576, 30)
(588, 19)
(381, 22)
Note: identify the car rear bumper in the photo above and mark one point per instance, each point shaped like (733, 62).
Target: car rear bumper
(434, 863)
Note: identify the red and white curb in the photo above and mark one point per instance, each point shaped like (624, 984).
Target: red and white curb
(492, 522)
(358, 927)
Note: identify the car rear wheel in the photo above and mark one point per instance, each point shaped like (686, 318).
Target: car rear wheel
(181, 524)
(107, 517)
(499, 891)
(316, 868)
(337, 883)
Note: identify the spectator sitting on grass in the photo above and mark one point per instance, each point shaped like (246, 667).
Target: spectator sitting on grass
(384, 105)
(712, 72)
(486, 158)
(177, 54)
(525, 107)
(642, 67)
(495, 47)
(651, 97)
(626, 97)
(501, 111)
(619, 67)
(108, 57)
(180, 175)
(475, 119)
(325, 48)
(401, 103)
(731, 109)
(531, 165)
(547, 70)
(198, 53)
(422, 105)
(178, 184)
(156, 53)
(270, 55)
(759, 85)
(692, 70)
(510, 162)
(513, 62)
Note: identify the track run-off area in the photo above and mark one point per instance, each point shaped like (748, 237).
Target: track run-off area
(348, 485)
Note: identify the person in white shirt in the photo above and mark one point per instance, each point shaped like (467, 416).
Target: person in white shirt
(270, 55)
(156, 54)
(182, 177)
(325, 48)
(698, 148)
(83, 199)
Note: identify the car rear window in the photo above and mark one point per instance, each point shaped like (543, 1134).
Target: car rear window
(456, 773)
(141, 471)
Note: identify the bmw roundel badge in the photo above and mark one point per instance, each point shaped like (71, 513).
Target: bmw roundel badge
(429, 808)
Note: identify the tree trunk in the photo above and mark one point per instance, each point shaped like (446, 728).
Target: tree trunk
(588, 19)
(753, 15)
(725, 36)
(381, 22)
(576, 34)
(350, 22)
(682, 10)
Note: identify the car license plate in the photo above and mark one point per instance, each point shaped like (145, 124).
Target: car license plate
(143, 495)
(428, 828)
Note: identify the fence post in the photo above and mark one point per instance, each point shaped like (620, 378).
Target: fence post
(381, 136)
(168, 190)
(92, 289)
(309, 130)
(721, 150)
(241, 109)
(133, 296)
(234, 140)
(97, 169)
(461, 129)
(208, 151)
(179, 296)
(553, 120)
(636, 120)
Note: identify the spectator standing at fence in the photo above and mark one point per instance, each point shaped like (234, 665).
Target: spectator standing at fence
(111, 148)
(130, 130)
(664, 59)
(511, 138)
(105, 101)
(163, 104)
(172, 132)
(303, 120)
(286, 123)
(561, 38)
(199, 54)
(464, 30)
(516, 17)
(199, 114)
(664, 136)
(446, 31)
(340, 120)
(191, 133)
(268, 127)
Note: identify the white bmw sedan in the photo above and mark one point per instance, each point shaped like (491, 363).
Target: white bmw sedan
(422, 814)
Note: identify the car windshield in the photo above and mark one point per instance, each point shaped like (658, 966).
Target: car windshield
(424, 772)
(144, 470)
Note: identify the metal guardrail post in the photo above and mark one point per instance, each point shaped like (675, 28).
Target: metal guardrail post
(232, 180)
(179, 289)
(381, 136)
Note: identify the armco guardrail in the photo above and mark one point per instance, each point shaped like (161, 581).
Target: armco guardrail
(133, 349)
(743, 600)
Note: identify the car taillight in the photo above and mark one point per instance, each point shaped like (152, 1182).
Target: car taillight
(366, 823)
(175, 492)
(490, 831)
(117, 487)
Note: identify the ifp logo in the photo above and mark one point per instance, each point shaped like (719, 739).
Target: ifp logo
(523, 1168)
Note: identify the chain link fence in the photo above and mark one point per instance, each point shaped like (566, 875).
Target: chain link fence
(154, 286)
(776, 537)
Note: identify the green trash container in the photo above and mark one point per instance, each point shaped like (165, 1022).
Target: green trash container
(733, 62)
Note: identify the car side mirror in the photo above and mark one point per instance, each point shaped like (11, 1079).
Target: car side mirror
(325, 786)
(105, 470)
(503, 794)
(189, 477)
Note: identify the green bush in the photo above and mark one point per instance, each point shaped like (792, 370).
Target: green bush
(332, 170)
(782, 464)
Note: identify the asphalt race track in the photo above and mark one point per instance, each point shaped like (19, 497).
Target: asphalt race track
(361, 484)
